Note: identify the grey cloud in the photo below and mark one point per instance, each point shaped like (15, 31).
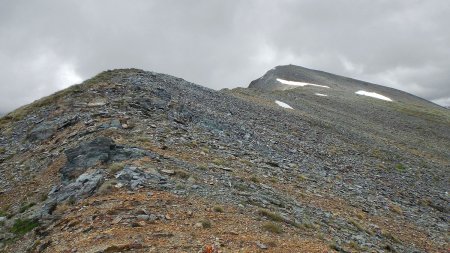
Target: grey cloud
(48, 45)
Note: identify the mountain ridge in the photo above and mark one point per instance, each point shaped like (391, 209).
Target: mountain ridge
(142, 161)
(283, 71)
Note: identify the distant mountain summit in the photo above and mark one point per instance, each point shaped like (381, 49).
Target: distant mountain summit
(287, 77)
(301, 161)
(278, 77)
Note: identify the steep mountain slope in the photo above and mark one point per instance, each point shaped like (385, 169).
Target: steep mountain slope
(145, 162)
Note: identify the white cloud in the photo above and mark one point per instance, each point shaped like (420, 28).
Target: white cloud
(442, 101)
(47, 45)
(67, 76)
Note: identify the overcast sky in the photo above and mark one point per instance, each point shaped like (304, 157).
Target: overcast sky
(48, 45)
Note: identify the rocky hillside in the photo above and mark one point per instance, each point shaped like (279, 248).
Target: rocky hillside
(301, 161)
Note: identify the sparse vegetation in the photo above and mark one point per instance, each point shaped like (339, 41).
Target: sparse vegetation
(218, 209)
(106, 76)
(246, 162)
(206, 224)
(361, 227)
(270, 215)
(357, 225)
(204, 149)
(377, 153)
(43, 197)
(71, 200)
(25, 207)
(302, 177)
(219, 161)
(400, 167)
(143, 140)
(359, 215)
(273, 227)
(273, 180)
(388, 235)
(308, 225)
(192, 144)
(23, 111)
(354, 245)
(180, 186)
(333, 150)
(116, 167)
(240, 187)
(422, 112)
(3, 213)
(254, 179)
(22, 227)
(202, 167)
(334, 246)
(106, 187)
(182, 174)
(396, 209)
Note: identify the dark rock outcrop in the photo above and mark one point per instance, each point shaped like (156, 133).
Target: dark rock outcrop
(100, 151)
(42, 131)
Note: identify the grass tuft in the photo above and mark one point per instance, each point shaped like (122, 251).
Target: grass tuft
(400, 167)
(206, 224)
(271, 216)
(388, 235)
(396, 209)
(22, 227)
(272, 228)
(219, 161)
(116, 167)
(26, 207)
(182, 174)
(254, 179)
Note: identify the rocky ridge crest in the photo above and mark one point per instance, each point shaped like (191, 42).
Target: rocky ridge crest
(142, 161)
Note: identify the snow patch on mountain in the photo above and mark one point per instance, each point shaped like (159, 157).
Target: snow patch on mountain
(295, 83)
(284, 105)
(373, 94)
(321, 95)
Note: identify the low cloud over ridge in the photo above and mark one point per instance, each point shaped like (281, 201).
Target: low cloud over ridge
(48, 45)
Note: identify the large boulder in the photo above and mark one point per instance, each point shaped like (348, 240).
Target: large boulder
(84, 186)
(101, 150)
(42, 131)
(87, 155)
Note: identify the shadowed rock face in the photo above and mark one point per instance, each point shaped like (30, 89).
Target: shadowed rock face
(101, 150)
(87, 155)
(41, 132)
(131, 153)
